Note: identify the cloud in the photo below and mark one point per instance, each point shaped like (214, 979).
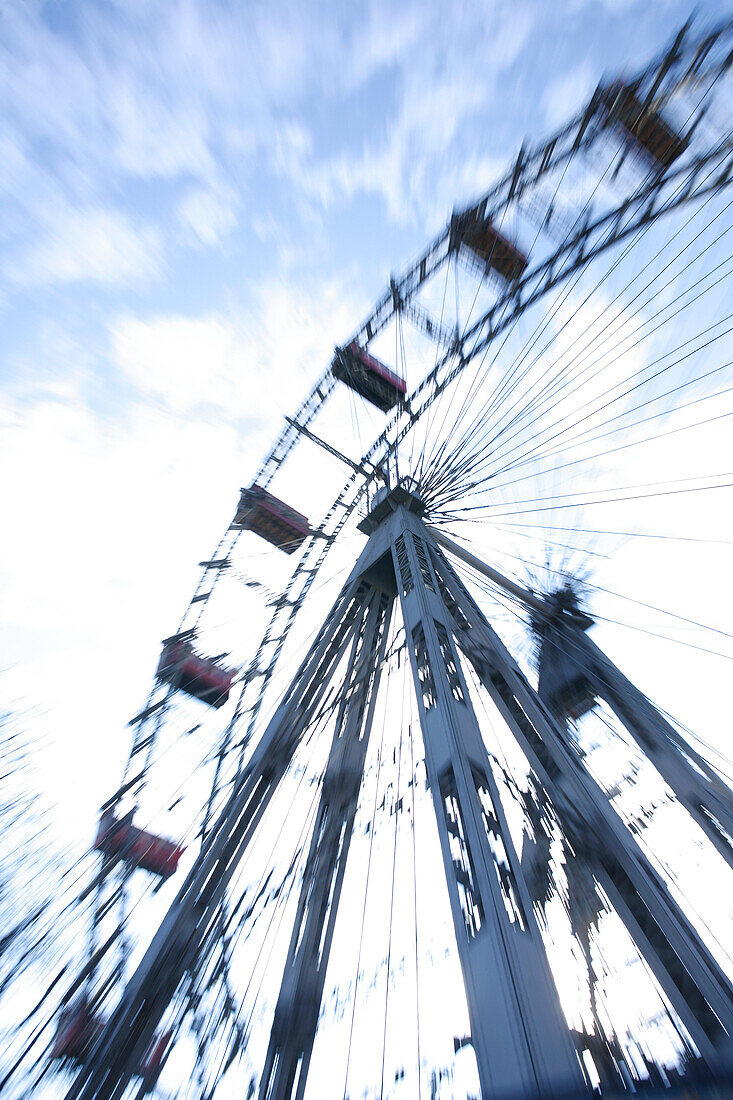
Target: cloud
(210, 214)
(96, 245)
(563, 97)
(200, 103)
(382, 40)
(291, 146)
(183, 361)
(127, 503)
(264, 360)
(399, 168)
(446, 75)
(121, 94)
(154, 138)
(87, 595)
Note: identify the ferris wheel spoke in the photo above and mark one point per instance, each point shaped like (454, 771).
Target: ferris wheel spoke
(553, 388)
(537, 453)
(609, 230)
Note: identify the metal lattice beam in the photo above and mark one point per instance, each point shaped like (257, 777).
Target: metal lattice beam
(703, 794)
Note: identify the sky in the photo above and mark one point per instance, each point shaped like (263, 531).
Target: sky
(197, 202)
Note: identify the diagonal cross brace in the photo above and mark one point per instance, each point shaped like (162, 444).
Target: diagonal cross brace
(703, 794)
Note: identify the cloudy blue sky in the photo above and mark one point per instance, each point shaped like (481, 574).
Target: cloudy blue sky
(198, 201)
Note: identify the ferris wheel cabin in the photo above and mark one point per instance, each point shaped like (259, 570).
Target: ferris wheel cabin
(271, 519)
(181, 667)
(153, 1064)
(483, 239)
(78, 1030)
(368, 377)
(643, 127)
(137, 847)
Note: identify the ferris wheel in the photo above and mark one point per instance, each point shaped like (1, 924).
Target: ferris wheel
(382, 728)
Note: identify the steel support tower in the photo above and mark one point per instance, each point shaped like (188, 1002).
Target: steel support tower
(568, 654)
(521, 1040)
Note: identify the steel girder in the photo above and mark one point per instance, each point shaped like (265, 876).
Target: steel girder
(522, 1044)
(518, 1032)
(703, 794)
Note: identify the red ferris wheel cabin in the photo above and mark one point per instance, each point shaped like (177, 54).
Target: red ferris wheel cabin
(137, 847)
(644, 127)
(483, 239)
(181, 667)
(271, 519)
(78, 1030)
(368, 377)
